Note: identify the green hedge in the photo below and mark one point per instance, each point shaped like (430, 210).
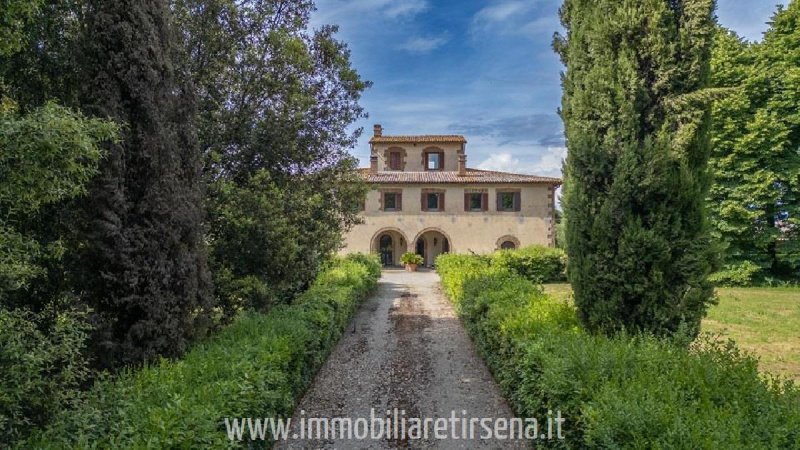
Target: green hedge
(536, 263)
(623, 392)
(257, 367)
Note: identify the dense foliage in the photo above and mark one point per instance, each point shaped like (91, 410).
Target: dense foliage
(536, 263)
(636, 120)
(620, 391)
(47, 158)
(259, 366)
(232, 131)
(275, 103)
(142, 267)
(754, 202)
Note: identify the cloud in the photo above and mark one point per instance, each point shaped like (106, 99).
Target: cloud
(423, 44)
(406, 8)
(549, 162)
(501, 12)
(542, 129)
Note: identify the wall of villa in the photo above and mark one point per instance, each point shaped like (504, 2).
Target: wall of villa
(478, 232)
(413, 155)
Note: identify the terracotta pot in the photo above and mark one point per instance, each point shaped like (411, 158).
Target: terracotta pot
(411, 267)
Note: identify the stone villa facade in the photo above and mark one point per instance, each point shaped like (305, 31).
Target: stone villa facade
(424, 199)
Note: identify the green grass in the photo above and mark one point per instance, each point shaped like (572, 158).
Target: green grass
(762, 320)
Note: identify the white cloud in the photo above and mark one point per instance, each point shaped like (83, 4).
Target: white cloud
(502, 162)
(423, 44)
(406, 8)
(501, 12)
(548, 164)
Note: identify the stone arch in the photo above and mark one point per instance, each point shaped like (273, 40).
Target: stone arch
(437, 229)
(506, 238)
(373, 243)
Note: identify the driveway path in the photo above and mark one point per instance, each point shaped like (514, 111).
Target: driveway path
(405, 349)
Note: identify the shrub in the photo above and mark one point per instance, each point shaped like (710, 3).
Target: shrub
(40, 371)
(536, 263)
(742, 274)
(622, 391)
(257, 367)
(411, 258)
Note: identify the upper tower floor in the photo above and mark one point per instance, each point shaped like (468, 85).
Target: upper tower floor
(422, 153)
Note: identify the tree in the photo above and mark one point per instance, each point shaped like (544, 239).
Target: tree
(143, 267)
(276, 101)
(755, 199)
(636, 118)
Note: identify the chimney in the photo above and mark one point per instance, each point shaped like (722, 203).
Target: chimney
(462, 164)
(378, 130)
(373, 164)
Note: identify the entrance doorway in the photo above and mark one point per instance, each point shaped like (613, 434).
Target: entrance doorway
(431, 244)
(386, 250)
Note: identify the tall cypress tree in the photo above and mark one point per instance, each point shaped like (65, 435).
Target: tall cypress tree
(144, 268)
(635, 110)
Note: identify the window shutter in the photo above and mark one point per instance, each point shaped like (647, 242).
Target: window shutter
(399, 201)
(517, 205)
(423, 204)
(441, 163)
(499, 201)
(441, 201)
(466, 201)
(485, 201)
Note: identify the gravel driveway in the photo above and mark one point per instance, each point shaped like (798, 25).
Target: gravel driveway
(405, 349)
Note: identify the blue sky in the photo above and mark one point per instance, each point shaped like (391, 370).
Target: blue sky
(484, 69)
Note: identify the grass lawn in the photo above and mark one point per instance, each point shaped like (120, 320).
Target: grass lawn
(764, 321)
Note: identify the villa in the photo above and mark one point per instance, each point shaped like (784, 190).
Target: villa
(424, 199)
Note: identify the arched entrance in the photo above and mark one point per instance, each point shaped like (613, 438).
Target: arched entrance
(431, 243)
(389, 244)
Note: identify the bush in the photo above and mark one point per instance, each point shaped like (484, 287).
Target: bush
(742, 274)
(40, 371)
(622, 391)
(257, 367)
(536, 263)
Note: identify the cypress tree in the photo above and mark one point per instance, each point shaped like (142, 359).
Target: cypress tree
(635, 108)
(143, 268)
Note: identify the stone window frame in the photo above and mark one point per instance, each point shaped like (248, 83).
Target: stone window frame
(398, 201)
(432, 150)
(484, 200)
(517, 199)
(424, 200)
(387, 158)
(507, 238)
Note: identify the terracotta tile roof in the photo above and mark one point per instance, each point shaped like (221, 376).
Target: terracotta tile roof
(450, 177)
(429, 138)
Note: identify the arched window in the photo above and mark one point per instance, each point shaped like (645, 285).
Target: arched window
(508, 245)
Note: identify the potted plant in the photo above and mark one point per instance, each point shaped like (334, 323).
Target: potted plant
(411, 260)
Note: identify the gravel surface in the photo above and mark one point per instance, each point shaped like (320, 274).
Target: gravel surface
(404, 349)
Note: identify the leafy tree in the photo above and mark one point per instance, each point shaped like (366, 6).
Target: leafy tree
(276, 101)
(143, 267)
(636, 119)
(755, 199)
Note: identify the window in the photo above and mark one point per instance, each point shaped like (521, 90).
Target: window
(475, 201)
(434, 161)
(395, 161)
(392, 201)
(508, 201)
(433, 202)
(508, 245)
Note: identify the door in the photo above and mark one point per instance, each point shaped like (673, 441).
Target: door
(421, 249)
(387, 250)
